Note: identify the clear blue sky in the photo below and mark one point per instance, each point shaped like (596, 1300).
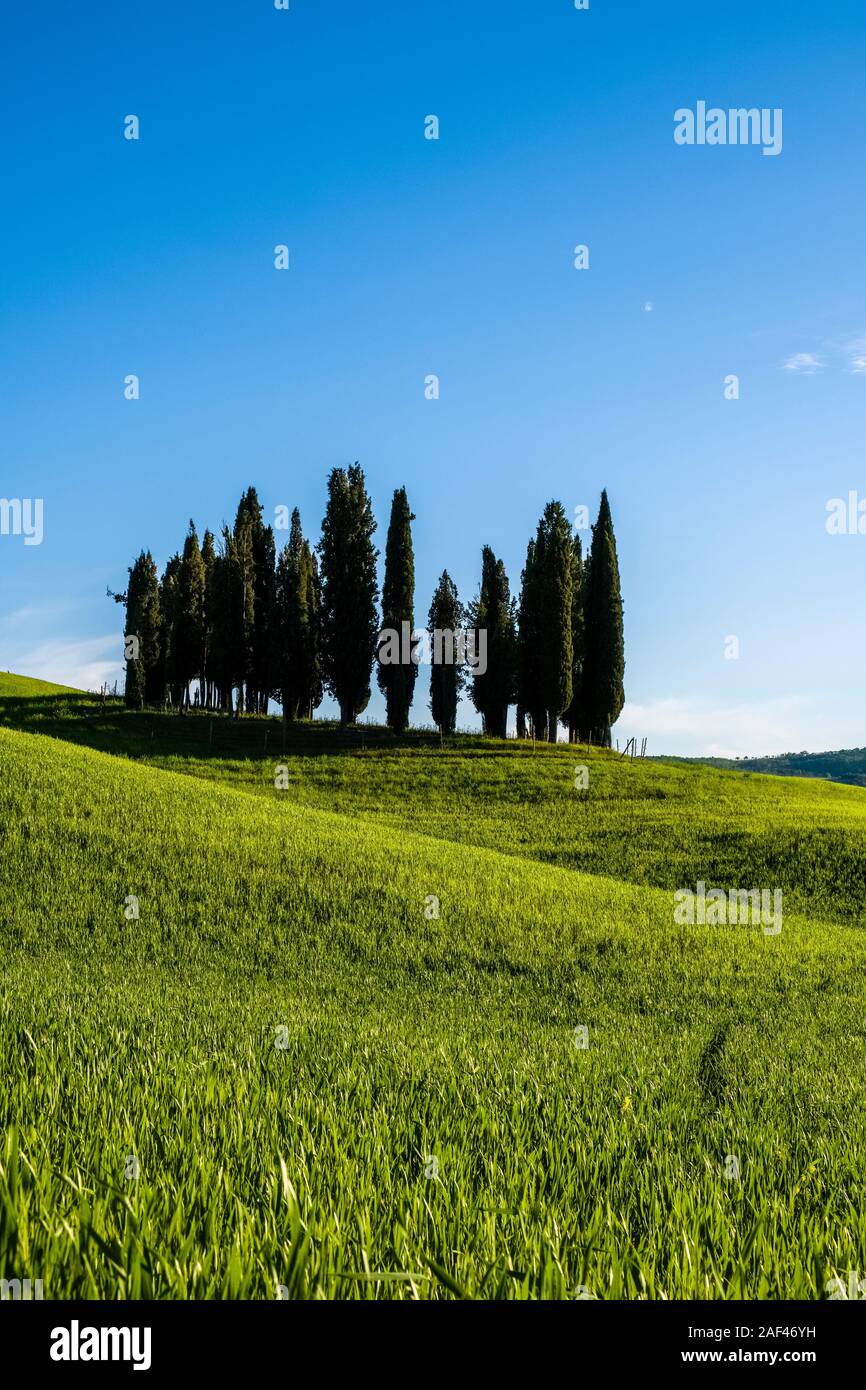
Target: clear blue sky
(411, 257)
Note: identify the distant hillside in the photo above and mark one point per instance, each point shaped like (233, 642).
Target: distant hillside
(26, 687)
(844, 765)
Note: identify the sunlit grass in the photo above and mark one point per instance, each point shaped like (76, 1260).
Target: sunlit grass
(284, 1040)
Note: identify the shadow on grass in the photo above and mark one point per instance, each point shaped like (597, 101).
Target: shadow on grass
(107, 725)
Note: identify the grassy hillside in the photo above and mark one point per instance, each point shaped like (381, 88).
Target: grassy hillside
(323, 1087)
(644, 822)
(27, 688)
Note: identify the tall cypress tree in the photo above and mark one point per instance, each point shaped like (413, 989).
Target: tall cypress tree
(349, 591)
(545, 624)
(314, 604)
(604, 658)
(447, 678)
(265, 588)
(222, 625)
(296, 623)
(240, 550)
(190, 616)
(397, 678)
(208, 559)
(254, 543)
(493, 612)
(529, 681)
(556, 573)
(574, 715)
(144, 623)
(170, 677)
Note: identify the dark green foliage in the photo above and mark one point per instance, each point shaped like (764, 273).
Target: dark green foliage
(236, 621)
(573, 716)
(254, 555)
(545, 647)
(604, 659)
(493, 613)
(189, 618)
(349, 591)
(529, 683)
(397, 679)
(446, 677)
(555, 550)
(170, 679)
(208, 556)
(296, 623)
(220, 660)
(241, 626)
(143, 622)
(545, 665)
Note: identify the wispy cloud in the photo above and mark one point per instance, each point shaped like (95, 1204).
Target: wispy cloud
(707, 728)
(805, 363)
(846, 353)
(34, 616)
(84, 665)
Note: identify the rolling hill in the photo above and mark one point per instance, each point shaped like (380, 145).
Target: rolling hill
(358, 1018)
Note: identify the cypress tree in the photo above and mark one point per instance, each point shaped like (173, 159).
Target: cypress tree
(220, 591)
(529, 682)
(208, 558)
(493, 612)
(545, 661)
(241, 599)
(554, 549)
(349, 591)
(311, 587)
(397, 679)
(264, 590)
(574, 715)
(170, 666)
(296, 624)
(446, 677)
(143, 622)
(255, 554)
(604, 658)
(190, 617)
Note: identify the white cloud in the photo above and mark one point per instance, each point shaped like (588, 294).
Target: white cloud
(37, 615)
(85, 665)
(806, 363)
(705, 728)
(857, 365)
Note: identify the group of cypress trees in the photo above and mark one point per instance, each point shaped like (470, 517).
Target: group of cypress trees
(570, 654)
(557, 653)
(230, 615)
(246, 625)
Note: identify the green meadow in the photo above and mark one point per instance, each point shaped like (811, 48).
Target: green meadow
(320, 1014)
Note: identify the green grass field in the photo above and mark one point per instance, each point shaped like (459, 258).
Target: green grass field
(241, 994)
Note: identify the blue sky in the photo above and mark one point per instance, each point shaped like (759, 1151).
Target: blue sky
(455, 257)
